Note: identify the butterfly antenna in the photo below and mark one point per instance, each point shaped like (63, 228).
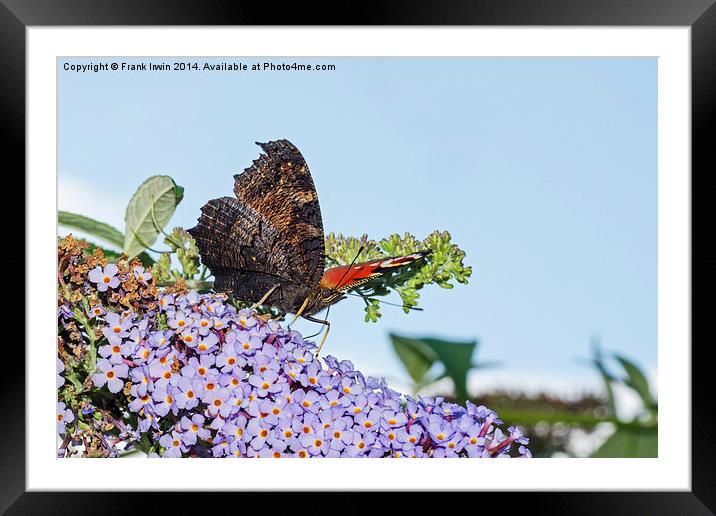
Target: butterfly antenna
(328, 310)
(355, 258)
(385, 302)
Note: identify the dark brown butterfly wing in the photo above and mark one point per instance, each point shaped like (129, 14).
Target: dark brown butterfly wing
(279, 186)
(267, 236)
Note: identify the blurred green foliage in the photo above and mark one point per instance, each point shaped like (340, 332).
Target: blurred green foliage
(549, 421)
(419, 356)
(639, 436)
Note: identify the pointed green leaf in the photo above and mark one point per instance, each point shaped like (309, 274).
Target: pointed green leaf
(417, 357)
(457, 359)
(607, 377)
(637, 381)
(149, 211)
(91, 227)
(630, 443)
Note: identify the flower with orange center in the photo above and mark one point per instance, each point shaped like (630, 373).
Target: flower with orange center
(216, 402)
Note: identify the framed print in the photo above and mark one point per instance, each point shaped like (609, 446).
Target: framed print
(459, 232)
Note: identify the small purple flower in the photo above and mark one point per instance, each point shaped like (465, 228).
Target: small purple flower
(142, 379)
(268, 382)
(86, 408)
(141, 275)
(243, 341)
(159, 339)
(164, 401)
(180, 321)
(172, 444)
(258, 432)
(112, 352)
(140, 401)
(166, 301)
(189, 391)
(340, 433)
(309, 401)
(204, 365)
(60, 369)
(110, 374)
(104, 278)
(350, 386)
(190, 337)
(193, 428)
(96, 311)
(217, 402)
(64, 416)
(333, 399)
(365, 421)
(393, 419)
(410, 437)
(316, 443)
(228, 359)
(439, 429)
(204, 325)
(117, 327)
(64, 313)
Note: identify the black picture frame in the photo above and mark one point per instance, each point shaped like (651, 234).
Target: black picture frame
(700, 15)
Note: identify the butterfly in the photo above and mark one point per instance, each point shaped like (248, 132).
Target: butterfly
(266, 244)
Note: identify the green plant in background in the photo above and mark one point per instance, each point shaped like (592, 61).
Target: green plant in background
(454, 361)
(639, 436)
(148, 212)
(547, 419)
(153, 204)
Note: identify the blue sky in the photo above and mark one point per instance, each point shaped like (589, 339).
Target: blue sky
(544, 171)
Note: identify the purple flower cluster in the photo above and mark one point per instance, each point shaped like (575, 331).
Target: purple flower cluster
(205, 379)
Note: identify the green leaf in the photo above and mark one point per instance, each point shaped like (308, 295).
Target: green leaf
(607, 377)
(637, 381)
(146, 260)
(419, 355)
(91, 227)
(149, 211)
(630, 443)
(415, 355)
(457, 359)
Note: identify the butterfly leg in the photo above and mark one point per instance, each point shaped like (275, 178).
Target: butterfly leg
(327, 323)
(300, 311)
(263, 299)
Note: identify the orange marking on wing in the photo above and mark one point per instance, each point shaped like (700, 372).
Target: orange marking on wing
(343, 276)
(332, 277)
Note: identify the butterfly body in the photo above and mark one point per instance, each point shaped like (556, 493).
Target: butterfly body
(267, 242)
